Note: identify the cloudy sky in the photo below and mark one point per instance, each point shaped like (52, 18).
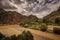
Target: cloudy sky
(39, 8)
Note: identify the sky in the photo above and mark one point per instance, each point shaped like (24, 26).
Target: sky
(39, 8)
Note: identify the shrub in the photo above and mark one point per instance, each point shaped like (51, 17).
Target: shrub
(22, 23)
(13, 37)
(6, 38)
(1, 36)
(57, 21)
(43, 27)
(26, 35)
(29, 35)
(26, 25)
(56, 30)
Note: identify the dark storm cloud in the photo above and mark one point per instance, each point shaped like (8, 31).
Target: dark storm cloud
(39, 8)
(51, 1)
(6, 5)
(31, 1)
(16, 1)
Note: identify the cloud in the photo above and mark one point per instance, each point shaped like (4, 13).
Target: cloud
(39, 8)
(5, 4)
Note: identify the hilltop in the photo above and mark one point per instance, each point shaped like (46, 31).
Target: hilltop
(53, 16)
(14, 17)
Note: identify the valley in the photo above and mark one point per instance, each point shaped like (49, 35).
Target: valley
(9, 30)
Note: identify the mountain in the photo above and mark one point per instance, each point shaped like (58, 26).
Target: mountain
(39, 8)
(13, 17)
(53, 16)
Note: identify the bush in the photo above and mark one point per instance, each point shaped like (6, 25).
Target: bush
(56, 30)
(26, 35)
(43, 27)
(57, 21)
(6, 38)
(13, 37)
(1, 36)
(29, 35)
(26, 25)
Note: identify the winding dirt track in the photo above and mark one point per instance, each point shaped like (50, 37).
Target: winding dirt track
(9, 30)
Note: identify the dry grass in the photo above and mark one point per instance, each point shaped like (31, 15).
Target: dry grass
(50, 27)
(38, 35)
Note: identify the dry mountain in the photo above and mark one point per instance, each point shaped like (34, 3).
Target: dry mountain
(13, 17)
(53, 16)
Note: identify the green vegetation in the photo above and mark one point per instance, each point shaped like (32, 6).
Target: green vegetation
(42, 24)
(43, 27)
(1, 36)
(33, 25)
(48, 22)
(56, 30)
(30, 21)
(26, 35)
(57, 21)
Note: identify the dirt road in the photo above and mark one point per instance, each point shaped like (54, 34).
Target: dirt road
(38, 35)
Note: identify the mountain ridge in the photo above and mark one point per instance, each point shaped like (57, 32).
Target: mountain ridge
(52, 17)
(14, 17)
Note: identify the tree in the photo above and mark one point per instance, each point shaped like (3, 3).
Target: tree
(29, 35)
(56, 30)
(6, 38)
(43, 27)
(57, 21)
(1, 36)
(26, 35)
(13, 37)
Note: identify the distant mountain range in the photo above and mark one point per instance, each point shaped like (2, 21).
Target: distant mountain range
(12, 17)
